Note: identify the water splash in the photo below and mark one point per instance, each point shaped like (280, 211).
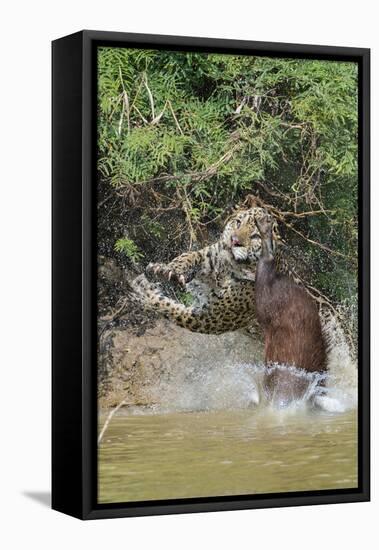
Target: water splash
(226, 372)
(216, 387)
(242, 386)
(342, 379)
(219, 383)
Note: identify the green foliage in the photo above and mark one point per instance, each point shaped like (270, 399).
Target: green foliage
(128, 247)
(199, 132)
(153, 227)
(185, 298)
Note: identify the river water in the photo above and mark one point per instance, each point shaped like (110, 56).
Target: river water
(213, 431)
(145, 456)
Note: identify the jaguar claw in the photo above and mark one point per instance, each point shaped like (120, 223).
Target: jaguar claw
(182, 280)
(156, 269)
(169, 275)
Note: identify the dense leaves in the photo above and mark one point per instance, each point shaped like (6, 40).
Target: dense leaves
(184, 136)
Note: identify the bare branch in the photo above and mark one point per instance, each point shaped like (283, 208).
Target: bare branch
(127, 109)
(151, 99)
(158, 117)
(250, 199)
(117, 313)
(316, 243)
(140, 114)
(192, 176)
(186, 205)
(174, 116)
(109, 418)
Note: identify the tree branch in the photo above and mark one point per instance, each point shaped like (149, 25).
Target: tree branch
(281, 216)
(109, 418)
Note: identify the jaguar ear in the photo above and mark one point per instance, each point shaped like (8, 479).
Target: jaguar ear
(251, 201)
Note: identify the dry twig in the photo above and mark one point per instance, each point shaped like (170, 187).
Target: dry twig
(108, 419)
(281, 216)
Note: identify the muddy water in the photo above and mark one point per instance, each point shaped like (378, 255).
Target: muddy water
(214, 453)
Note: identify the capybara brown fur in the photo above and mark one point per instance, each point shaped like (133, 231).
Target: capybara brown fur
(291, 324)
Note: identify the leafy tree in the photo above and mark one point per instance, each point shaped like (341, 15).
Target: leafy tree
(182, 137)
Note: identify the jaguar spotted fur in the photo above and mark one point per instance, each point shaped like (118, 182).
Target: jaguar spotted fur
(220, 277)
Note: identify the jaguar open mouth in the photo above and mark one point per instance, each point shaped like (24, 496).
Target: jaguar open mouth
(235, 241)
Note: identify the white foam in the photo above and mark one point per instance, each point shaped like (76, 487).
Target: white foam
(329, 404)
(241, 386)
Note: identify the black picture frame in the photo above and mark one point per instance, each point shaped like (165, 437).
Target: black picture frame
(74, 407)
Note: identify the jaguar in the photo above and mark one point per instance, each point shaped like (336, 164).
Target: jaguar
(220, 278)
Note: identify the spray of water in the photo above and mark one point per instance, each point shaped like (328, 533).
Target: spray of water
(342, 379)
(220, 383)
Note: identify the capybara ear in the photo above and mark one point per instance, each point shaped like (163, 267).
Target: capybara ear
(276, 233)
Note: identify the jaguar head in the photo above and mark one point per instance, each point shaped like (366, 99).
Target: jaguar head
(242, 237)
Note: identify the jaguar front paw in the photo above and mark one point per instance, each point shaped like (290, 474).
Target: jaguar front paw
(163, 271)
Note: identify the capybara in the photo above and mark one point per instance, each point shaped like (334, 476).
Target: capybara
(291, 324)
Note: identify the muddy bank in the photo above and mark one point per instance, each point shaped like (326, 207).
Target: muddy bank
(144, 364)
